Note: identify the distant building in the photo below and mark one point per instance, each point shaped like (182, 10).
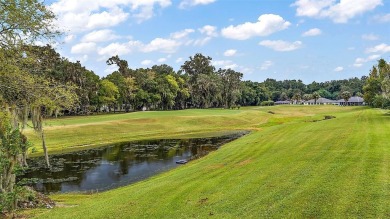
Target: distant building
(353, 101)
(320, 101)
(285, 102)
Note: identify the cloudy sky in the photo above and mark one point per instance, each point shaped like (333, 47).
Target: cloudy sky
(298, 39)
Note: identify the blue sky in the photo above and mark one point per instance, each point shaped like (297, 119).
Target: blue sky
(299, 39)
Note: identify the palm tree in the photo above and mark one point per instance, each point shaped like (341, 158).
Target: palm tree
(297, 97)
(315, 97)
(307, 97)
(346, 95)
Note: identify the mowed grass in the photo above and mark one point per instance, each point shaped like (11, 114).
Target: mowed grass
(288, 167)
(76, 133)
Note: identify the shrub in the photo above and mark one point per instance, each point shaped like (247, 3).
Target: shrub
(7, 202)
(381, 102)
(329, 117)
(267, 103)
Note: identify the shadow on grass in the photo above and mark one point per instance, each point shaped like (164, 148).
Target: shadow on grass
(386, 114)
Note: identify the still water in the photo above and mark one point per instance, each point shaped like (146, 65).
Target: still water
(117, 165)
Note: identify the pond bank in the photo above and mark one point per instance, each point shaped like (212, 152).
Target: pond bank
(117, 165)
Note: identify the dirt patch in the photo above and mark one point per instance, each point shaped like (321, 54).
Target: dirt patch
(245, 162)
(62, 205)
(38, 200)
(203, 201)
(329, 117)
(325, 118)
(128, 121)
(215, 166)
(141, 121)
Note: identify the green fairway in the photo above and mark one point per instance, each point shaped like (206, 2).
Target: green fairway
(75, 133)
(288, 166)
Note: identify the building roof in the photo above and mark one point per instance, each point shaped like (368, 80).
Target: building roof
(320, 100)
(282, 102)
(354, 99)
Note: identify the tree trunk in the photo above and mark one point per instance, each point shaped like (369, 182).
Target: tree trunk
(14, 116)
(1, 184)
(24, 158)
(8, 178)
(25, 117)
(45, 149)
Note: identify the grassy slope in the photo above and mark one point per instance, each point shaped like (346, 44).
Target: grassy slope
(81, 132)
(334, 168)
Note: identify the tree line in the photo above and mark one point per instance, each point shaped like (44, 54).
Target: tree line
(197, 84)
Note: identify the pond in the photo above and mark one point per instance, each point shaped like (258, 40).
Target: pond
(117, 165)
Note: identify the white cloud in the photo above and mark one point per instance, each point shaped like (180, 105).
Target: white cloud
(182, 34)
(100, 36)
(360, 61)
(110, 69)
(39, 43)
(381, 48)
(373, 57)
(266, 65)
(267, 24)
(338, 69)
(146, 62)
(371, 37)
(312, 32)
(79, 16)
(106, 19)
(69, 38)
(178, 60)
(85, 21)
(281, 46)
(145, 9)
(201, 41)
(340, 11)
(83, 48)
(209, 30)
(383, 18)
(118, 49)
(311, 8)
(225, 64)
(160, 60)
(191, 3)
(231, 66)
(246, 70)
(162, 45)
(230, 52)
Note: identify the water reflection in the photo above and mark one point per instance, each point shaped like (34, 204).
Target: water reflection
(117, 165)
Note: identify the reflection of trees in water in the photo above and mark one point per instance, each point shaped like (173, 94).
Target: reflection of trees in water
(65, 168)
(123, 157)
(124, 165)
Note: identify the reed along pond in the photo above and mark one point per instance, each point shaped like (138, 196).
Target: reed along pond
(117, 165)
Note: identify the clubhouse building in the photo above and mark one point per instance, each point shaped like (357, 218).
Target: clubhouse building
(353, 101)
